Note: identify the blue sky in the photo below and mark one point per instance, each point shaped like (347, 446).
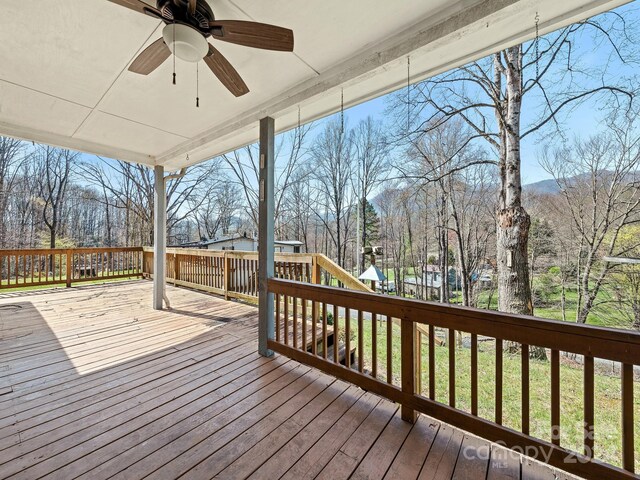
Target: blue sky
(583, 122)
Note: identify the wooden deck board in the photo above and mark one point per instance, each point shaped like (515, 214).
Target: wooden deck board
(96, 385)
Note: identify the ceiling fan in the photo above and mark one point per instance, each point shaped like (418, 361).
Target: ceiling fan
(189, 23)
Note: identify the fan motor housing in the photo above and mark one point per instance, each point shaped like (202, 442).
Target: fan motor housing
(177, 11)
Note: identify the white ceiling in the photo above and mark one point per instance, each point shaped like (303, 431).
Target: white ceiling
(64, 78)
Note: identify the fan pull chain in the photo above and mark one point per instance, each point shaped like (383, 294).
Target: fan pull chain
(174, 53)
(197, 85)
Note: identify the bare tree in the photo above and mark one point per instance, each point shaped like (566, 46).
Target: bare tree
(393, 220)
(444, 156)
(332, 157)
(488, 96)
(130, 187)
(54, 174)
(598, 181)
(298, 206)
(626, 277)
(244, 168)
(12, 156)
(214, 213)
(471, 221)
(371, 154)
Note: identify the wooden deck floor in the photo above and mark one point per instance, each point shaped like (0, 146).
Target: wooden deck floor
(95, 384)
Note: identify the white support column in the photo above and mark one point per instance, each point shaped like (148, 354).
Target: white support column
(266, 325)
(159, 236)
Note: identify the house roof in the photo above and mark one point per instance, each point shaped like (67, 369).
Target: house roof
(294, 243)
(373, 273)
(64, 78)
(234, 238)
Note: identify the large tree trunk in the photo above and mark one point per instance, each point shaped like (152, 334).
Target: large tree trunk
(514, 293)
(513, 222)
(443, 244)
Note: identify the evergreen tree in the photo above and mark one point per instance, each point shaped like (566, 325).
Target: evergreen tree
(371, 225)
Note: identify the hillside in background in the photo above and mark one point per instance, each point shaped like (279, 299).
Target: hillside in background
(545, 187)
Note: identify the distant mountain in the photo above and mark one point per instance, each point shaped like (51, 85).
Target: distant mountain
(544, 187)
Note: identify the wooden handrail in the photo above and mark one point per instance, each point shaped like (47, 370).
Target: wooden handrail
(233, 273)
(602, 342)
(521, 331)
(65, 266)
(341, 275)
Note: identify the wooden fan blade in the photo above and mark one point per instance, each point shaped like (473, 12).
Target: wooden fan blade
(192, 6)
(151, 58)
(253, 34)
(138, 6)
(225, 72)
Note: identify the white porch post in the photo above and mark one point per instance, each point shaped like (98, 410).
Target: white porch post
(159, 236)
(266, 327)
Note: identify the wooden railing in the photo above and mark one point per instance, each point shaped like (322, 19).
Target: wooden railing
(371, 340)
(36, 267)
(234, 274)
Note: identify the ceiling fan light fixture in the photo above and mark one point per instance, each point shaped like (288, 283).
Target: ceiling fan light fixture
(185, 42)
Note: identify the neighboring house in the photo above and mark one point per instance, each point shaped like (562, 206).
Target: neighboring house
(244, 243)
(433, 279)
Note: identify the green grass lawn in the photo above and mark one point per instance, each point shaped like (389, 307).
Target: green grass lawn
(607, 392)
(606, 313)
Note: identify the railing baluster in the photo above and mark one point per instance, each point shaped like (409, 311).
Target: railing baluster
(347, 338)
(524, 356)
(314, 328)
(555, 397)
(245, 276)
(304, 324)
(407, 362)
(499, 377)
(295, 321)
(474, 374)
(336, 332)
(628, 461)
(286, 320)
(418, 362)
(452, 367)
(325, 338)
(432, 362)
(360, 341)
(389, 350)
(277, 315)
(589, 410)
(374, 345)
